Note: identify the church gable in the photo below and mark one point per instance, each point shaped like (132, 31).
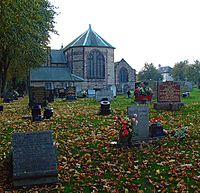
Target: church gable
(125, 76)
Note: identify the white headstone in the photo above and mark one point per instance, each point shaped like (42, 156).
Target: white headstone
(91, 93)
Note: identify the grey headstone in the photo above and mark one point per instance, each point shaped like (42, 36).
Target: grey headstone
(141, 130)
(33, 158)
(104, 94)
(113, 88)
(186, 87)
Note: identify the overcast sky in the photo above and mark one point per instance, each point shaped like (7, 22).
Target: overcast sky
(154, 31)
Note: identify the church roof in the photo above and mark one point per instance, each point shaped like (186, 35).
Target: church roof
(58, 57)
(89, 39)
(53, 74)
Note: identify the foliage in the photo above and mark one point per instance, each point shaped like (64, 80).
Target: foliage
(87, 161)
(148, 73)
(24, 35)
(178, 71)
(183, 71)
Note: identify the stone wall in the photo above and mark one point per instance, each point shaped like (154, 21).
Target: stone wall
(77, 61)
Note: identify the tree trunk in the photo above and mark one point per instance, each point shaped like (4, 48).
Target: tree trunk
(4, 64)
(0, 82)
(14, 82)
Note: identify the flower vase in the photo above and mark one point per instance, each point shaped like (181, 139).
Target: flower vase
(125, 141)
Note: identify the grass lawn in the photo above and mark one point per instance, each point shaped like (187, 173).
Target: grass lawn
(87, 161)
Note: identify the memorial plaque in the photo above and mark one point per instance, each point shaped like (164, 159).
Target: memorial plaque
(37, 96)
(71, 93)
(168, 92)
(141, 130)
(33, 158)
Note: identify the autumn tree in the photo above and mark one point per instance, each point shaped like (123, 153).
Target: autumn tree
(149, 73)
(24, 35)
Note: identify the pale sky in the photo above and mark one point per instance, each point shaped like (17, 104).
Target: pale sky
(154, 31)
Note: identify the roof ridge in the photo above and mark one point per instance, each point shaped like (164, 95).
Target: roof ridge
(89, 38)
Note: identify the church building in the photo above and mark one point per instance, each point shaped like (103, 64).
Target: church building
(87, 63)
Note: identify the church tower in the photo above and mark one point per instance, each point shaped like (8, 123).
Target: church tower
(90, 57)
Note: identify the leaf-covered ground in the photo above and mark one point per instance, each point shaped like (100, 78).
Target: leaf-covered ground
(87, 161)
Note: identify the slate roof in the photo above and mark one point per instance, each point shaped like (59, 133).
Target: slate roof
(58, 57)
(53, 74)
(165, 69)
(89, 39)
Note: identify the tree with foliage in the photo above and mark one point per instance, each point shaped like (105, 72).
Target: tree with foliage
(196, 71)
(179, 70)
(149, 73)
(24, 35)
(183, 71)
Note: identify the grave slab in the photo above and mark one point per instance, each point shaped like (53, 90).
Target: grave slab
(33, 158)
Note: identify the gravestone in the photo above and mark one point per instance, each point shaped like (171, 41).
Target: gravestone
(61, 93)
(50, 95)
(1, 107)
(91, 93)
(33, 158)
(168, 97)
(104, 94)
(140, 130)
(37, 96)
(71, 93)
(113, 88)
(186, 86)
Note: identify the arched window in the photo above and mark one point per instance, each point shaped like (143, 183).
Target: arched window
(123, 75)
(95, 65)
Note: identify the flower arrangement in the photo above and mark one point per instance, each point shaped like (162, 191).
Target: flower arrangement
(126, 129)
(143, 89)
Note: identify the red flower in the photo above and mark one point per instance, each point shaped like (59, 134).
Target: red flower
(124, 126)
(125, 132)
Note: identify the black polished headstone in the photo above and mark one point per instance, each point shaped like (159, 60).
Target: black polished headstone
(33, 158)
(37, 96)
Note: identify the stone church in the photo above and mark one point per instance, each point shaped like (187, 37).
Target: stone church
(87, 63)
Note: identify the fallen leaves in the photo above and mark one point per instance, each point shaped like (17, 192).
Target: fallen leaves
(87, 161)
